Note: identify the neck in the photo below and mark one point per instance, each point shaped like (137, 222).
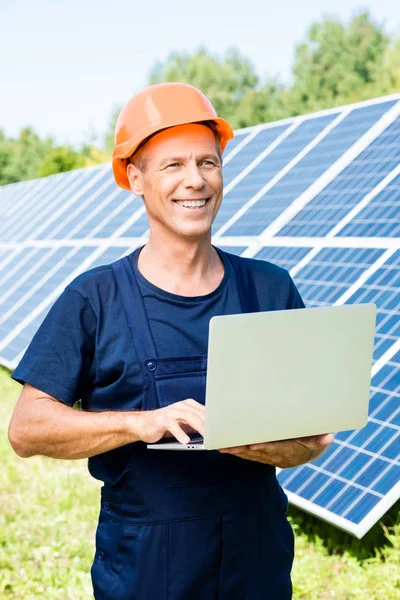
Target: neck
(182, 266)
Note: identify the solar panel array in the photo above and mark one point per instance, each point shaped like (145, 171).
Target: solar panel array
(318, 195)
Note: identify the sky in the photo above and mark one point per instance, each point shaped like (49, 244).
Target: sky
(66, 64)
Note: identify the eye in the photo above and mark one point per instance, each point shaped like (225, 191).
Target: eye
(172, 165)
(208, 163)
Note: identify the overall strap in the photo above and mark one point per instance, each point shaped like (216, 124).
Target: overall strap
(134, 308)
(246, 286)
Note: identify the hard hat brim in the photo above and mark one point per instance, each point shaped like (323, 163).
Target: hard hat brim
(124, 150)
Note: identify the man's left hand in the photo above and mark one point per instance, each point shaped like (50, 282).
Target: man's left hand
(284, 453)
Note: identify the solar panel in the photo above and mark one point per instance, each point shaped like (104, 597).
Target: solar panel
(279, 192)
(330, 273)
(317, 194)
(380, 217)
(363, 174)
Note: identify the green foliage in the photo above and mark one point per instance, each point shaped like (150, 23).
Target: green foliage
(65, 158)
(21, 157)
(338, 64)
(48, 515)
(225, 82)
(335, 64)
(59, 160)
(28, 157)
(390, 76)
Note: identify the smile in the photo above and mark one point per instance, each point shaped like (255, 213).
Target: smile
(192, 203)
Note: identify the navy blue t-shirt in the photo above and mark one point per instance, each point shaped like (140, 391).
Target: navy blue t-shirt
(83, 349)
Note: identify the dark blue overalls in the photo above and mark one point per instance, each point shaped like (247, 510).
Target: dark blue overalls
(189, 525)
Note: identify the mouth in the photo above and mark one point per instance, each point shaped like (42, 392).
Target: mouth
(192, 204)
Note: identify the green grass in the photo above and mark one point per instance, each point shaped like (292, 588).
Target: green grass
(48, 514)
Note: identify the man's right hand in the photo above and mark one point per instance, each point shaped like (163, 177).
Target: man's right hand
(43, 425)
(173, 420)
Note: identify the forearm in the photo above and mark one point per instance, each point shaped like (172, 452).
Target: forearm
(50, 428)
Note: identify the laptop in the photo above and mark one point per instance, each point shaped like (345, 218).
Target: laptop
(285, 374)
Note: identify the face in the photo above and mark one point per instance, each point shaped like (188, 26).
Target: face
(182, 181)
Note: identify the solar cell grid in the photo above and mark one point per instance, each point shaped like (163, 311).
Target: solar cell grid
(16, 347)
(383, 288)
(82, 202)
(20, 218)
(270, 166)
(5, 257)
(118, 218)
(233, 249)
(286, 257)
(42, 280)
(302, 175)
(232, 144)
(14, 195)
(47, 278)
(24, 261)
(380, 218)
(348, 189)
(48, 207)
(250, 151)
(110, 255)
(330, 273)
(138, 228)
(92, 221)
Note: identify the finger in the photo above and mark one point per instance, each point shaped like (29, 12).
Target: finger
(194, 404)
(325, 439)
(178, 433)
(184, 409)
(316, 441)
(193, 420)
(188, 418)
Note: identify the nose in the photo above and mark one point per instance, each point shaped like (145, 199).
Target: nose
(193, 177)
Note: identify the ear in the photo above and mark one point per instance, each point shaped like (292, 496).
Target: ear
(135, 177)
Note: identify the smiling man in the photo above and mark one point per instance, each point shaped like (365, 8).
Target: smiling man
(130, 341)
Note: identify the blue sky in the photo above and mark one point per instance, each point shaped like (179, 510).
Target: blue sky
(66, 63)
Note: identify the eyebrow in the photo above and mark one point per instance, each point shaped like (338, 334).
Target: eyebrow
(179, 159)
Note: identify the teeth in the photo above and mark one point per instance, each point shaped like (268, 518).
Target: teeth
(191, 203)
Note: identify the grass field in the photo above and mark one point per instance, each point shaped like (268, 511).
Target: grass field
(48, 513)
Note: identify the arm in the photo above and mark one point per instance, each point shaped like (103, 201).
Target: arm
(43, 425)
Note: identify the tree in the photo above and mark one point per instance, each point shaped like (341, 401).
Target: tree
(224, 81)
(20, 157)
(64, 158)
(338, 64)
(390, 76)
(59, 160)
(231, 84)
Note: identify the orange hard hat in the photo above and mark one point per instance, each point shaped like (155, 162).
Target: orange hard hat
(155, 108)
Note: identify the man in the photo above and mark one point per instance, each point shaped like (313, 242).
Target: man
(130, 340)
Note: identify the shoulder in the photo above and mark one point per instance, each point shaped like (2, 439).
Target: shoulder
(90, 282)
(274, 285)
(96, 287)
